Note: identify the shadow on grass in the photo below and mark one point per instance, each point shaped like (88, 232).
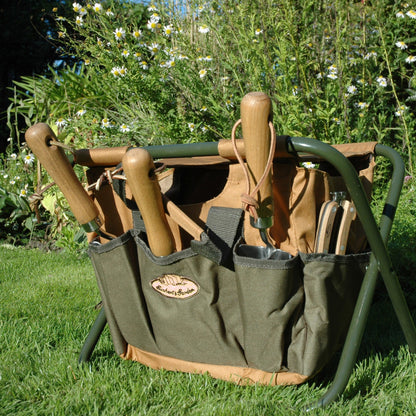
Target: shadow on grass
(383, 338)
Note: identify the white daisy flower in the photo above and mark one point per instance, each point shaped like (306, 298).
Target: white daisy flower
(308, 165)
(137, 34)
(370, 55)
(202, 73)
(400, 111)
(125, 53)
(97, 7)
(362, 105)
(203, 29)
(411, 14)
(119, 33)
(382, 81)
(352, 89)
(153, 25)
(258, 32)
(61, 122)
(400, 15)
(154, 48)
(144, 65)
(81, 112)
(168, 30)
(79, 21)
(123, 71)
(124, 128)
(115, 71)
(191, 126)
(401, 45)
(170, 64)
(76, 7)
(410, 59)
(13, 156)
(29, 159)
(109, 13)
(105, 122)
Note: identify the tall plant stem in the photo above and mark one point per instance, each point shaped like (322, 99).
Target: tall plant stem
(393, 87)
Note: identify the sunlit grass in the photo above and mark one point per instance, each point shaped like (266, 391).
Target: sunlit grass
(47, 306)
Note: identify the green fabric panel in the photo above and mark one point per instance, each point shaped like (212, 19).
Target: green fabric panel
(119, 342)
(331, 285)
(117, 268)
(203, 328)
(271, 315)
(268, 297)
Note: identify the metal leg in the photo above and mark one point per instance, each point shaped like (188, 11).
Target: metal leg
(93, 337)
(379, 262)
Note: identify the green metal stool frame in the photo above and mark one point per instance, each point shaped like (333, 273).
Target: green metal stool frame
(377, 236)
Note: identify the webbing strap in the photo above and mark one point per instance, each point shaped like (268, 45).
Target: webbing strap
(223, 228)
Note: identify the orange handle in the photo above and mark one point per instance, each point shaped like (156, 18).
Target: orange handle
(139, 170)
(255, 116)
(53, 158)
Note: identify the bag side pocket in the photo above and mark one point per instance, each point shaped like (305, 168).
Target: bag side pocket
(331, 285)
(118, 276)
(270, 293)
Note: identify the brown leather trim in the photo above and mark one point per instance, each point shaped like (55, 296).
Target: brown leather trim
(238, 375)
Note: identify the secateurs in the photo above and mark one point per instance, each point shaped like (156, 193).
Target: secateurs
(334, 224)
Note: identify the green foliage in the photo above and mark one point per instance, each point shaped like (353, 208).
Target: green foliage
(17, 221)
(176, 71)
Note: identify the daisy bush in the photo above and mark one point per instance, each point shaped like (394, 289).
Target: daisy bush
(175, 71)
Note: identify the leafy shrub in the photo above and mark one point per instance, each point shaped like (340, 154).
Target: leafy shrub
(176, 71)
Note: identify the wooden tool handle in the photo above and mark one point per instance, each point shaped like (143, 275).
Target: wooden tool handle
(348, 216)
(110, 156)
(325, 225)
(255, 116)
(53, 158)
(139, 170)
(183, 220)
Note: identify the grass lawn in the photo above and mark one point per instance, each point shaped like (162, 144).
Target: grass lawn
(47, 306)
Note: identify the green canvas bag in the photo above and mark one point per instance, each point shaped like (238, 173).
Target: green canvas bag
(209, 307)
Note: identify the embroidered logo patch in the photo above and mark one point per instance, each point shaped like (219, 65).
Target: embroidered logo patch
(175, 286)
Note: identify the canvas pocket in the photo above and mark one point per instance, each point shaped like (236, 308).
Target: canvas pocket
(270, 293)
(331, 285)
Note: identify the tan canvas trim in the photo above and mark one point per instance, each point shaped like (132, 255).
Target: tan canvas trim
(238, 375)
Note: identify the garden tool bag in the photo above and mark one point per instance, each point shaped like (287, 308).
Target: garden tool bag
(206, 307)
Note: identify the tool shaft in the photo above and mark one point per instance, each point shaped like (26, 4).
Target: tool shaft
(40, 139)
(139, 170)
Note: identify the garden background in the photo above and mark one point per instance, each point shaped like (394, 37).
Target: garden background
(175, 72)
